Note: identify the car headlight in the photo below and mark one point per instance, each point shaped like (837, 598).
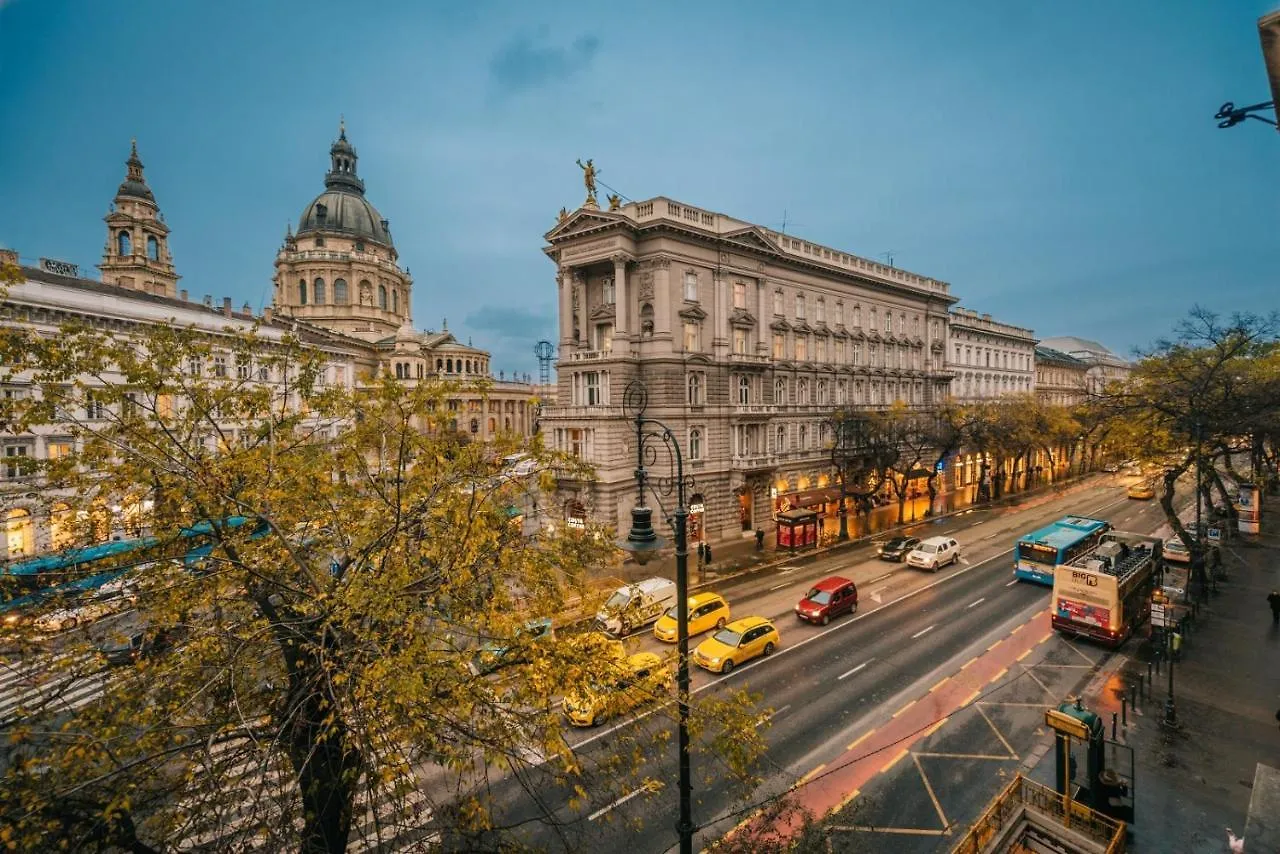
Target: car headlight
(715, 660)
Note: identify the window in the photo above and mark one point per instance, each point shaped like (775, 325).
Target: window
(874, 352)
(382, 303)
(802, 391)
(153, 248)
(857, 316)
(696, 392)
(94, 410)
(842, 392)
(779, 345)
(839, 313)
(129, 405)
(957, 354)
(475, 425)
(690, 286)
(220, 366)
(838, 357)
(15, 460)
(740, 341)
(802, 348)
(302, 293)
(820, 350)
(395, 301)
(695, 444)
(915, 325)
(804, 438)
(739, 295)
(744, 390)
(820, 311)
(359, 245)
(608, 294)
(604, 337)
(857, 354)
(340, 296)
(780, 440)
(888, 322)
(873, 318)
(124, 246)
(318, 293)
(822, 392)
(777, 303)
(692, 335)
(935, 330)
(799, 306)
(319, 242)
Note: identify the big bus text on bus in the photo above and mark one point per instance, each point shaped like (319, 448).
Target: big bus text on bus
(1105, 593)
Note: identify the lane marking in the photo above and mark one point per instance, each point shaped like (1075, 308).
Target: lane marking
(856, 669)
(990, 756)
(965, 666)
(779, 586)
(1011, 583)
(1025, 653)
(941, 682)
(939, 725)
(788, 570)
(619, 802)
(813, 773)
(976, 602)
(998, 676)
(969, 699)
(881, 578)
(923, 632)
(860, 739)
(844, 803)
(772, 715)
(894, 761)
(929, 788)
(1013, 754)
(904, 708)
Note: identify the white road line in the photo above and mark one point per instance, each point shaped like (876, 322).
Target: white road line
(779, 586)
(978, 602)
(1011, 583)
(923, 632)
(619, 802)
(856, 669)
(788, 570)
(881, 578)
(772, 715)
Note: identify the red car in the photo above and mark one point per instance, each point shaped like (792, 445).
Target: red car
(829, 598)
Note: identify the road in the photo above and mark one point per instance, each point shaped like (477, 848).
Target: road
(825, 687)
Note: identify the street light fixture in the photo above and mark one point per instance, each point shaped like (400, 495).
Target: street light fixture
(643, 542)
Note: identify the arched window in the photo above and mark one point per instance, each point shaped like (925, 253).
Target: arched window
(124, 246)
(19, 532)
(695, 444)
(382, 296)
(317, 293)
(468, 366)
(695, 389)
(780, 440)
(802, 391)
(340, 294)
(822, 392)
(395, 301)
(804, 437)
(421, 368)
(153, 248)
(449, 366)
(506, 424)
(302, 293)
(744, 390)
(780, 392)
(399, 371)
(439, 365)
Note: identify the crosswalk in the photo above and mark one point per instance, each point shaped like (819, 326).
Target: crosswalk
(49, 684)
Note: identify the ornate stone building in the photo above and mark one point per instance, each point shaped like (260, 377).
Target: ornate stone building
(988, 358)
(1104, 366)
(1061, 379)
(339, 288)
(746, 339)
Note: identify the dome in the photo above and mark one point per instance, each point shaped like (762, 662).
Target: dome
(345, 213)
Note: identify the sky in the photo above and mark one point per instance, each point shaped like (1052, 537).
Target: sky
(1058, 164)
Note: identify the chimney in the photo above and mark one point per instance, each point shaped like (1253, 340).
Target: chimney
(226, 306)
(208, 301)
(184, 294)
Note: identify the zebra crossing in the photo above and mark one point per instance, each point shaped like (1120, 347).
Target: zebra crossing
(49, 684)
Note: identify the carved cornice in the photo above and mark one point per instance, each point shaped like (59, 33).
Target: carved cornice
(780, 325)
(604, 311)
(693, 311)
(656, 262)
(742, 318)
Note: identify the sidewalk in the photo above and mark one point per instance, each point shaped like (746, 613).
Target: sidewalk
(1193, 780)
(732, 557)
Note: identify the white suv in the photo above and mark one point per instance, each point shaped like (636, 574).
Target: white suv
(934, 553)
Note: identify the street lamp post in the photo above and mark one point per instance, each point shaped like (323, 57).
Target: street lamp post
(643, 542)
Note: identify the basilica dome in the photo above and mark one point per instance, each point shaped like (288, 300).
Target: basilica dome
(342, 208)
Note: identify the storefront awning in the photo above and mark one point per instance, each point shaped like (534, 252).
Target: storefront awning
(810, 497)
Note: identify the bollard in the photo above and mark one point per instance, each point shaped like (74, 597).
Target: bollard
(1148, 675)
(1124, 711)
(1113, 726)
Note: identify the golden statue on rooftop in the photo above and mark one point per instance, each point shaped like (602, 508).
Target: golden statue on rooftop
(589, 179)
(615, 202)
(564, 214)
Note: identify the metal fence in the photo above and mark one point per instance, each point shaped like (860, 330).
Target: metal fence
(1010, 806)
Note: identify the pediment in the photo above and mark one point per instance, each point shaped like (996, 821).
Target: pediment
(581, 222)
(780, 325)
(604, 311)
(693, 312)
(742, 317)
(753, 238)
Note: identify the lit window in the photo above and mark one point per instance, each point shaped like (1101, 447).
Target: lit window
(692, 335)
(740, 341)
(779, 345)
(800, 306)
(820, 350)
(802, 348)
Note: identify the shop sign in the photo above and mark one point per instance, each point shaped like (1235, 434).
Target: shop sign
(60, 268)
(697, 508)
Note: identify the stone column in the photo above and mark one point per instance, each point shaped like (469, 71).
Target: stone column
(622, 304)
(764, 336)
(579, 305)
(564, 281)
(662, 297)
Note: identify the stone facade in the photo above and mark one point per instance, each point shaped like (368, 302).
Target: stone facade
(1061, 379)
(989, 359)
(1104, 366)
(746, 340)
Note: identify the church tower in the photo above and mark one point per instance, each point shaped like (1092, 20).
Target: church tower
(137, 252)
(340, 269)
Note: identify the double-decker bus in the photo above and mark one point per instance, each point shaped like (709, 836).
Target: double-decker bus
(1040, 552)
(1105, 593)
(74, 573)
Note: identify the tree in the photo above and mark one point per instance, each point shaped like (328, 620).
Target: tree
(949, 426)
(358, 554)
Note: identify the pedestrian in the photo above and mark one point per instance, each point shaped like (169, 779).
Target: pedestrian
(759, 539)
(706, 557)
(702, 550)
(1274, 601)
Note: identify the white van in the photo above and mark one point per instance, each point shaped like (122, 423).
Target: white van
(635, 605)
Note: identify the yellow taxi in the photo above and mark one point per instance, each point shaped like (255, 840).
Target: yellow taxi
(706, 611)
(1142, 491)
(641, 677)
(741, 640)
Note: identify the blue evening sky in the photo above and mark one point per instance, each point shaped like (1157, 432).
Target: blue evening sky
(1058, 163)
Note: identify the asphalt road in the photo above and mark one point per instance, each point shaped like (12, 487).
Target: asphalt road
(824, 686)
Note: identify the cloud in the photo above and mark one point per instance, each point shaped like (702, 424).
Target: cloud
(512, 322)
(522, 64)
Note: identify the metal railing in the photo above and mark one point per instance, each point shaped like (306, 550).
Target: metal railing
(1010, 807)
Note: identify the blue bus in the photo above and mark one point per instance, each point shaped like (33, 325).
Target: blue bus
(72, 573)
(1038, 553)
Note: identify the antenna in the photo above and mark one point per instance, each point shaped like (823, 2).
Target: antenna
(782, 229)
(888, 256)
(545, 351)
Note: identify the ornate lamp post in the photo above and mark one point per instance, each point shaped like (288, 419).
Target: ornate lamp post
(643, 543)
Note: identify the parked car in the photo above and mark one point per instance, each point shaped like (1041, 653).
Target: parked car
(1142, 491)
(122, 651)
(495, 654)
(109, 599)
(741, 640)
(642, 677)
(1176, 551)
(706, 611)
(934, 553)
(635, 605)
(897, 548)
(827, 599)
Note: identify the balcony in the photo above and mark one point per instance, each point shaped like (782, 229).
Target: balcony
(752, 359)
(1028, 814)
(589, 355)
(754, 409)
(580, 413)
(754, 462)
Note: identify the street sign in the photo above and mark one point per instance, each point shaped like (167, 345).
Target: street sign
(1158, 617)
(1215, 535)
(1065, 724)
